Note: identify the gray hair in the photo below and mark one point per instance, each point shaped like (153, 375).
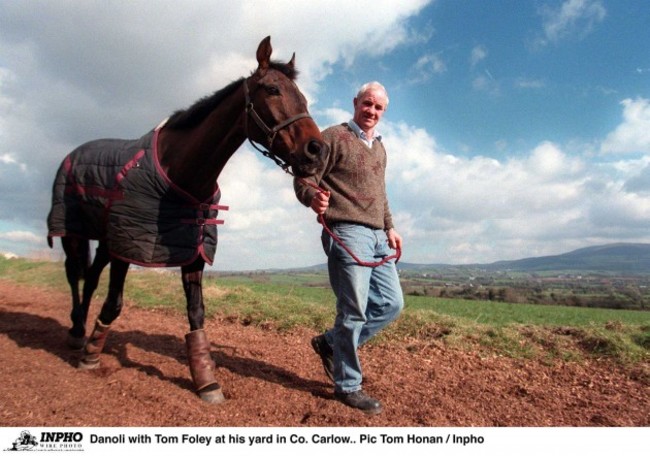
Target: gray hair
(372, 85)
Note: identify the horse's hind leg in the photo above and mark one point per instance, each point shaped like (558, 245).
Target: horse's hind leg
(110, 311)
(79, 315)
(77, 260)
(198, 346)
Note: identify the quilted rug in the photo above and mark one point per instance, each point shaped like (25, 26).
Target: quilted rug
(115, 190)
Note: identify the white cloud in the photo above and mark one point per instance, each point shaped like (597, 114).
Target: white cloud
(572, 18)
(481, 209)
(478, 54)
(124, 77)
(548, 160)
(526, 83)
(633, 135)
(266, 225)
(7, 159)
(75, 71)
(21, 236)
(427, 66)
(639, 180)
(486, 83)
(337, 115)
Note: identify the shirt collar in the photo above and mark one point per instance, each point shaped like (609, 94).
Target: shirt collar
(362, 134)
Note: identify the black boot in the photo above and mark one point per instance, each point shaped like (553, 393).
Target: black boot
(361, 401)
(323, 349)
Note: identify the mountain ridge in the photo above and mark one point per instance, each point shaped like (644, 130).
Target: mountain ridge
(621, 257)
(618, 257)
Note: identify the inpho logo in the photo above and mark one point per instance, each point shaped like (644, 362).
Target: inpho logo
(61, 437)
(25, 442)
(49, 441)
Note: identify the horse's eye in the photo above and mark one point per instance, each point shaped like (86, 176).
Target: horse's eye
(273, 90)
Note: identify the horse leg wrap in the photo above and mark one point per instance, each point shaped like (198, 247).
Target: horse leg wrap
(202, 367)
(94, 346)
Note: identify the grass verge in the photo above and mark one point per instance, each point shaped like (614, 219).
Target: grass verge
(514, 330)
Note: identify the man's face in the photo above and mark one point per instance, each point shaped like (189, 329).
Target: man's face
(369, 108)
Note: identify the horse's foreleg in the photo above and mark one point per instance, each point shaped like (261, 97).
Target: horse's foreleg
(198, 346)
(113, 304)
(77, 259)
(110, 311)
(192, 277)
(79, 314)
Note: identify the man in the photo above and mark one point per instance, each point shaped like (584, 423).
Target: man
(354, 206)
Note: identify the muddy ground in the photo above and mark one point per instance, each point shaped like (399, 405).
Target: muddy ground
(274, 379)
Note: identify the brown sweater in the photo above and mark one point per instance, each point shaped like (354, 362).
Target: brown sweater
(355, 176)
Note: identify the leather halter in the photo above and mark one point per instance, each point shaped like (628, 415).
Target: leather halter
(270, 133)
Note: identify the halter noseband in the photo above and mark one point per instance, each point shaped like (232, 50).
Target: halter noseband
(270, 133)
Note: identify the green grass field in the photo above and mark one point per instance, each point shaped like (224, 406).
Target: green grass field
(286, 301)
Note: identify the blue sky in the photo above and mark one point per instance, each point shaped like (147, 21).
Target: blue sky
(515, 128)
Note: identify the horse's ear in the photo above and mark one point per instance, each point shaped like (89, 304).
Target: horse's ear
(264, 54)
(292, 62)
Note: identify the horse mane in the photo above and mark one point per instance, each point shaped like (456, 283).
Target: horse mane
(195, 114)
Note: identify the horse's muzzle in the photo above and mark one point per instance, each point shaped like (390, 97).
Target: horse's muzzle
(316, 150)
(314, 157)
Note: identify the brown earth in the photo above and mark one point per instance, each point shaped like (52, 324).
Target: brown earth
(274, 379)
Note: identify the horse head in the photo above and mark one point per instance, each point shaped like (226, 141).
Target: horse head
(277, 116)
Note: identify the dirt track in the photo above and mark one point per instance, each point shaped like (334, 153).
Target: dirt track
(274, 379)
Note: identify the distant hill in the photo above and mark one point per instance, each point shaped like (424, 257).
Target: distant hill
(623, 258)
(619, 258)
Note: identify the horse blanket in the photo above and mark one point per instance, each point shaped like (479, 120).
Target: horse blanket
(115, 190)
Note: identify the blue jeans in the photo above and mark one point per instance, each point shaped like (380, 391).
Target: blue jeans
(367, 298)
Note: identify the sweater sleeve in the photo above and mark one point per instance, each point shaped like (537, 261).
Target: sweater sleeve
(304, 192)
(388, 217)
(305, 188)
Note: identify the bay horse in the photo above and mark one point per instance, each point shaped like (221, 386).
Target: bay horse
(98, 194)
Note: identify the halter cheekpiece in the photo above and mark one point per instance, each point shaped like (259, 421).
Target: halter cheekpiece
(270, 133)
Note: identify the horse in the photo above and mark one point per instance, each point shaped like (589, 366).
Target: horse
(98, 194)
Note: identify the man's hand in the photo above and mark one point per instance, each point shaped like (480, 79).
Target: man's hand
(320, 202)
(394, 239)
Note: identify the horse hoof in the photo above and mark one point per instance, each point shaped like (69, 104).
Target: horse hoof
(76, 343)
(214, 396)
(87, 365)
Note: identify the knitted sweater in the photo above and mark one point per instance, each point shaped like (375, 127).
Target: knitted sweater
(355, 177)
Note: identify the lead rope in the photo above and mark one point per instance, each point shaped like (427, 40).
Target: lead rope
(321, 219)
